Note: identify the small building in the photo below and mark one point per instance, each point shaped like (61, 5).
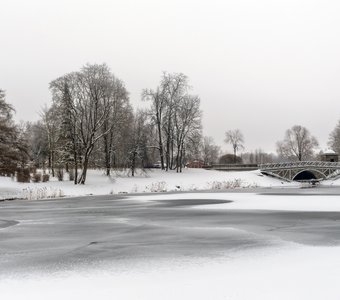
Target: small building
(330, 156)
(197, 163)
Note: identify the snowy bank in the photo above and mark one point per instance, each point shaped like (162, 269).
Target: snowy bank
(154, 180)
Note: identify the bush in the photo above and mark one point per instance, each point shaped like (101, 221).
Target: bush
(46, 178)
(36, 177)
(230, 159)
(23, 175)
(157, 187)
(60, 174)
(225, 185)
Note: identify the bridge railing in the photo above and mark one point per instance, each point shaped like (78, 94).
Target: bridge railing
(300, 164)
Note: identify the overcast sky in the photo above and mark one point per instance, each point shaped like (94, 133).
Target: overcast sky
(261, 66)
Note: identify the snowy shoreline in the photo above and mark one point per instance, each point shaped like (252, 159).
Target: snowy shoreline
(153, 181)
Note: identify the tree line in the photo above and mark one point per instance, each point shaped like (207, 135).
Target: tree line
(91, 123)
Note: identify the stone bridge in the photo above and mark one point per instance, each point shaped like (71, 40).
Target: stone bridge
(302, 170)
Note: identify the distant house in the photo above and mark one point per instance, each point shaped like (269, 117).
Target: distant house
(197, 163)
(330, 156)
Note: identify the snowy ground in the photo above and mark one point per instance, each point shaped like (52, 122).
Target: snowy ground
(267, 245)
(153, 181)
(297, 273)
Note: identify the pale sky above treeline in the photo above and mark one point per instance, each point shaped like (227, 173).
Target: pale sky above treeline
(260, 66)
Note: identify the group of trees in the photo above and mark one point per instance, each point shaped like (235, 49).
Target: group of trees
(298, 144)
(90, 107)
(176, 117)
(13, 146)
(91, 113)
(91, 123)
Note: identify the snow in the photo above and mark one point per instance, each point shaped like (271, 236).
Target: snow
(284, 271)
(329, 151)
(256, 201)
(331, 182)
(289, 274)
(154, 180)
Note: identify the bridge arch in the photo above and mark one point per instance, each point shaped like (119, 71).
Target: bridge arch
(302, 170)
(308, 174)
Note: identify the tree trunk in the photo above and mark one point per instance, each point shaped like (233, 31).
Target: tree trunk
(178, 158)
(52, 162)
(181, 160)
(75, 167)
(172, 156)
(82, 177)
(107, 155)
(87, 154)
(49, 160)
(167, 155)
(133, 164)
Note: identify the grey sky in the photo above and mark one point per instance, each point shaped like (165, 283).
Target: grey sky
(260, 66)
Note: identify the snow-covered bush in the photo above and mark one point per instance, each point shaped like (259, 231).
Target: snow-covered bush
(41, 193)
(225, 185)
(156, 187)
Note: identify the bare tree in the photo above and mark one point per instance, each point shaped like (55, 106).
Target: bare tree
(235, 138)
(90, 104)
(176, 115)
(37, 141)
(187, 121)
(175, 86)
(334, 139)
(137, 142)
(298, 144)
(158, 104)
(258, 157)
(210, 151)
(51, 121)
(121, 109)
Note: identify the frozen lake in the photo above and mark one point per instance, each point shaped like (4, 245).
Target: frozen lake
(244, 244)
(63, 233)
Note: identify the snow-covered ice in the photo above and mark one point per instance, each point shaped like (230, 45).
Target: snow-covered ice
(292, 273)
(287, 270)
(257, 201)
